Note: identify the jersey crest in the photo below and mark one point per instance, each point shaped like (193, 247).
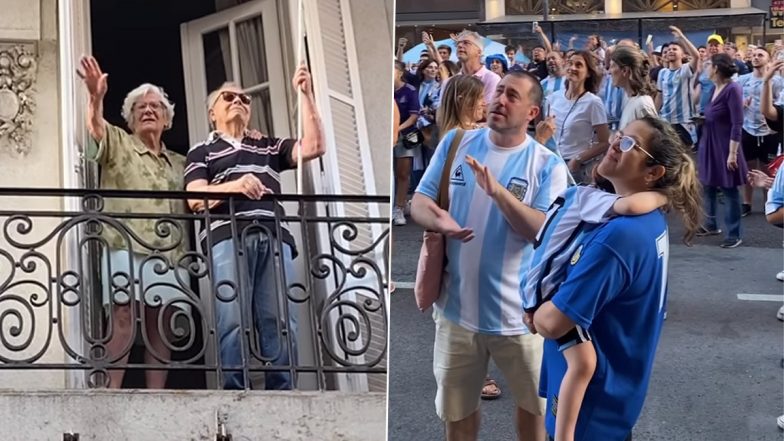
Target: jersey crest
(576, 256)
(518, 187)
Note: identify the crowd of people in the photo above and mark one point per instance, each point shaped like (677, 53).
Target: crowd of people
(232, 159)
(539, 273)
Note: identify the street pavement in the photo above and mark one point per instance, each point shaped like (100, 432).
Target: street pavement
(717, 374)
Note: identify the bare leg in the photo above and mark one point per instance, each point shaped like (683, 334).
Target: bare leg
(156, 379)
(530, 427)
(121, 335)
(466, 429)
(581, 364)
(402, 178)
(748, 190)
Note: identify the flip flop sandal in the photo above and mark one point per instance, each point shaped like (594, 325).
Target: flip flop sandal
(493, 386)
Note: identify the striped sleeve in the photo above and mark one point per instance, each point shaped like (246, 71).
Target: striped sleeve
(196, 164)
(552, 183)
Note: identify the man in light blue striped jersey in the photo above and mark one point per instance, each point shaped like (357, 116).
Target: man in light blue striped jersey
(674, 99)
(490, 227)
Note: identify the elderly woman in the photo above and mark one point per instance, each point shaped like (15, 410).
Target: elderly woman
(136, 161)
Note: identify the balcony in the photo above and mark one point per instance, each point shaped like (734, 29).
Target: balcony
(61, 295)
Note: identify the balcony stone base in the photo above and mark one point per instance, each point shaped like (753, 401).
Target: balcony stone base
(141, 415)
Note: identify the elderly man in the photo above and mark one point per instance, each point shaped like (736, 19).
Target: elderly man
(230, 162)
(136, 161)
(469, 52)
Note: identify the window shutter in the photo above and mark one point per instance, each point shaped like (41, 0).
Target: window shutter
(347, 168)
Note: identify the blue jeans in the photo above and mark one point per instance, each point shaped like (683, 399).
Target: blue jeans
(731, 210)
(260, 290)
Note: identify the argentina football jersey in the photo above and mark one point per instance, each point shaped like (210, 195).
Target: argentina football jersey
(675, 86)
(753, 120)
(481, 289)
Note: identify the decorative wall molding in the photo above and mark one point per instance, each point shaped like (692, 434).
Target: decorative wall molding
(18, 69)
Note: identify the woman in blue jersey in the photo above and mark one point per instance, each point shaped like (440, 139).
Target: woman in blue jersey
(616, 283)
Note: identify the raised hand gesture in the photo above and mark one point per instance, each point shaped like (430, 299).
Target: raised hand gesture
(402, 42)
(772, 68)
(427, 38)
(676, 32)
(484, 178)
(94, 79)
(545, 129)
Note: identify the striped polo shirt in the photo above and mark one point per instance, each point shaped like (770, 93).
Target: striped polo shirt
(221, 159)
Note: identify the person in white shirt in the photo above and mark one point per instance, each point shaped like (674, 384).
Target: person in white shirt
(629, 71)
(579, 114)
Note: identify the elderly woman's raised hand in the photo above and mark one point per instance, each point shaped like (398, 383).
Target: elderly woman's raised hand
(94, 79)
(302, 79)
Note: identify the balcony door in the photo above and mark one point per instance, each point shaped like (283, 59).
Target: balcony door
(239, 45)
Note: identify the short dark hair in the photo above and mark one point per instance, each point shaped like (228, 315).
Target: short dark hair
(665, 46)
(536, 94)
(510, 48)
(679, 44)
(700, 47)
(725, 65)
(447, 47)
(539, 46)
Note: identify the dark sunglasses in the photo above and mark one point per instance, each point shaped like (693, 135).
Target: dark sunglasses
(231, 96)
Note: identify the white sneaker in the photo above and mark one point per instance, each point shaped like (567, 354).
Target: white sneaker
(780, 314)
(398, 218)
(780, 421)
(780, 276)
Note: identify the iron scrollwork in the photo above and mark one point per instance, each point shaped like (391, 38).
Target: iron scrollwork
(157, 294)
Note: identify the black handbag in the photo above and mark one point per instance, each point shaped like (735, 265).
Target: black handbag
(413, 139)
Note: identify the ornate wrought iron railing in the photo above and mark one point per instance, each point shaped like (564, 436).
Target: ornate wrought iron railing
(70, 300)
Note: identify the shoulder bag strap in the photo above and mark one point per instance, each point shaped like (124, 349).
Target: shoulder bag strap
(443, 186)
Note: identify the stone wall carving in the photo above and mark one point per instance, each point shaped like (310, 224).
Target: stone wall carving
(18, 69)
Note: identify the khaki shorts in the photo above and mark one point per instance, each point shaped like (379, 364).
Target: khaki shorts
(460, 359)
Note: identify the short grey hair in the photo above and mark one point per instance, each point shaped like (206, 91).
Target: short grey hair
(144, 89)
(213, 97)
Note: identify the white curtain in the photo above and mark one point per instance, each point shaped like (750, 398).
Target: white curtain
(253, 64)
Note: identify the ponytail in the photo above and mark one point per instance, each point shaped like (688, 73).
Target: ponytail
(685, 196)
(679, 182)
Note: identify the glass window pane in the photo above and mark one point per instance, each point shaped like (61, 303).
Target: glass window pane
(217, 58)
(261, 112)
(252, 54)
